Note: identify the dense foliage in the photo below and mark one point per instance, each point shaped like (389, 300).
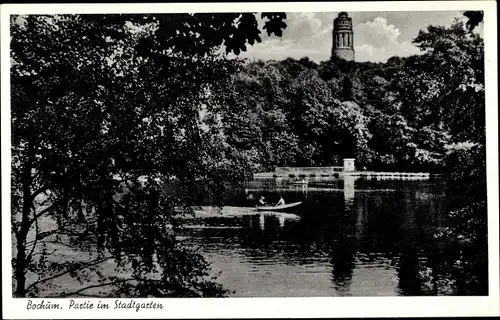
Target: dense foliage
(400, 115)
(106, 111)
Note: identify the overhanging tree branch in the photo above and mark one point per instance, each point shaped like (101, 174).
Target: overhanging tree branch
(40, 190)
(41, 213)
(68, 294)
(87, 265)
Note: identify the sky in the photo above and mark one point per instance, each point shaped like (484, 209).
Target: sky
(377, 35)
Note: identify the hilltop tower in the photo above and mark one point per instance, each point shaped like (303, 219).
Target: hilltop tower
(343, 37)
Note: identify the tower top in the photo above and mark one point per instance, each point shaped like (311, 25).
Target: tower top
(342, 22)
(343, 37)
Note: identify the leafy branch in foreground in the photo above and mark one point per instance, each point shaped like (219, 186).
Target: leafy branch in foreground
(114, 126)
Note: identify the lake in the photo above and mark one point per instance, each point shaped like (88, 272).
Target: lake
(348, 238)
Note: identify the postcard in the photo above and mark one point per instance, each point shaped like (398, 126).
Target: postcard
(246, 160)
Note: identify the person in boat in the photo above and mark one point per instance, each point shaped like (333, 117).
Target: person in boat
(262, 201)
(281, 202)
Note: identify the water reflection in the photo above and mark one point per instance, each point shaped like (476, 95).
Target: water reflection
(281, 219)
(343, 254)
(359, 238)
(349, 190)
(268, 221)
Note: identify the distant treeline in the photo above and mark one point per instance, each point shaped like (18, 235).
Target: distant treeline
(404, 115)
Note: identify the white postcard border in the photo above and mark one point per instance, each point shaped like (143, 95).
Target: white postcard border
(269, 307)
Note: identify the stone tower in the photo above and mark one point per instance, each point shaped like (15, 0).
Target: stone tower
(343, 37)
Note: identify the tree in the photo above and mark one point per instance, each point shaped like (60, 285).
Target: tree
(99, 101)
(457, 75)
(347, 89)
(428, 95)
(475, 18)
(458, 103)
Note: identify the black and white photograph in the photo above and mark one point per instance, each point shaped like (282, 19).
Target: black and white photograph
(152, 154)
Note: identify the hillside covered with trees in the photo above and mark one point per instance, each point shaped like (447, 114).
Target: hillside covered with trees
(402, 115)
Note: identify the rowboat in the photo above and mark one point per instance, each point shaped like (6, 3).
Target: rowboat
(278, 208)
(300, 183)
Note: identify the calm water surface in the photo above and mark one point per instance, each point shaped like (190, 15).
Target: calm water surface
(348, 238)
